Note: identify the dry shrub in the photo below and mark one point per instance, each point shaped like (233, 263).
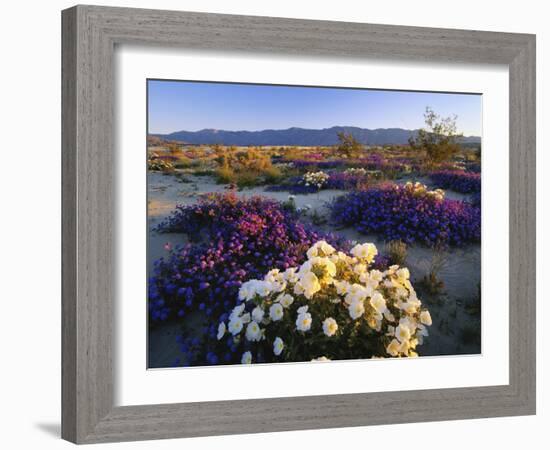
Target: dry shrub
(397, 252)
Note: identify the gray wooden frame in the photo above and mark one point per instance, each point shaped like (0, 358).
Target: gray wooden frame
(89, 37)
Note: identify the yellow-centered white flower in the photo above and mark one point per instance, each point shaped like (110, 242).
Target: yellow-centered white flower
(330, 326)
(356, 309)
(286, 300)
(303, 321)
(258, 314)
(278, 346)
(276, 312)
(246, 358)
(253, 332)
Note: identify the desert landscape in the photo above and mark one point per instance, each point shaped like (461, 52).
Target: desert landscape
(275, 235)
(311, 185)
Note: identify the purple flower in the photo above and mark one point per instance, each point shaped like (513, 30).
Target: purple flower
(394, 212)
(457, 180)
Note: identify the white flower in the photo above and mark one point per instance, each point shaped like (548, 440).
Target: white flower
(320, 262)
(272, 276)
(290, 275)
(356, 309)
(298, 289)
(264, 288)
(320, 359)
(258, 314)
(325, 248)
(303, 322)
(425, 317)
(235, 325)
(365, 251)
(276, 312)
(330, 326)
(278, 346)
(376, 275)
(246, 358)
(342, 287)
(253, 332)
(245, 318)
(403, 274)
(403, 333)
(286, 300)
(221, 330)
(237, 311)
(356, 293)
(246, 291)
(423, 331)
(393, 347)
(336, 280)
(378, 302)
(310, 284)
(360, 268)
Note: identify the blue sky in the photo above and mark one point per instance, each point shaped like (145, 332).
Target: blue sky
(192, 106)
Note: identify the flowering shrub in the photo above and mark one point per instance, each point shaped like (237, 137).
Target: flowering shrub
(235, 240)
(356, 171)
(305, 164)
(410, 213)
(333, 306)
(315, 179)
(373, 161)
(347, 180)
(156, 162)
(457, 180)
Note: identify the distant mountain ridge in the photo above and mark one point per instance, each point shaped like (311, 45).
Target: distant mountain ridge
(297, 136)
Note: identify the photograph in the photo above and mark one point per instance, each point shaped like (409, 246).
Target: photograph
(307, 224)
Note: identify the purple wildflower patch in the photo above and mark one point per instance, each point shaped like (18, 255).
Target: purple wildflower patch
(457, 180)
(235, 240)
(395, 212)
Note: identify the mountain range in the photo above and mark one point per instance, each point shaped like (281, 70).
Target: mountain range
(298, 136)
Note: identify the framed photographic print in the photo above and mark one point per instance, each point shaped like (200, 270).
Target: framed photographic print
(247, 202)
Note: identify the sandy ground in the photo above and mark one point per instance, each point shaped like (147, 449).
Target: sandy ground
(456, 324)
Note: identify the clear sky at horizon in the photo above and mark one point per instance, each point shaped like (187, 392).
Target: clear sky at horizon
(192, 106)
